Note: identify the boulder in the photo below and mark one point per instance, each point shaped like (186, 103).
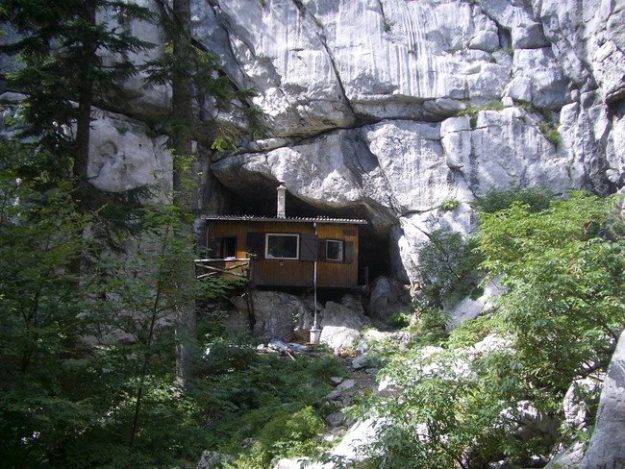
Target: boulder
(122, 156)
(607, 444)
(582, 394)
(213, 460)
(299, 463)
(388, 296)
(340, 327)
(342, 388)
(470, 308)
(388, 387)
(277, 314)
(356, 444)
(365, 360)
(335, 419)
(567, 457)
(353, 302)
(525, 421)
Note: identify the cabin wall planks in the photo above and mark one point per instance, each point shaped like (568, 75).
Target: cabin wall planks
(292, 273)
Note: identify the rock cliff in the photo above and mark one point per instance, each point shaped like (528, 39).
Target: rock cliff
(389, 108)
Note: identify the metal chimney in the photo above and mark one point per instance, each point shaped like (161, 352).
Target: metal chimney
(281, 201)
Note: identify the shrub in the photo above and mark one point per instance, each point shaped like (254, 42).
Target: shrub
(429, 327)
(536, 199)
(400, 320)
(565, 282)
(450, 205)
(448, 268)
(564, 269)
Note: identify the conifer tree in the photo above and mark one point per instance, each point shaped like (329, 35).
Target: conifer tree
(62, 47)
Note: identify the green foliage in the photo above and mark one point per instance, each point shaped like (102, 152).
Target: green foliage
(448, 268)
(551, 133)
(400, 320)
(275, 401)
(472, 111)
(450, 205)
(286, 434)
(429, 327)
(536, 199)
(565, 282)
(564, 269)
(56, 48)
(205, 70)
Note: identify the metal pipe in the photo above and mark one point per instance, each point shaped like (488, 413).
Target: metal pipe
(315, 332)
(315, 282)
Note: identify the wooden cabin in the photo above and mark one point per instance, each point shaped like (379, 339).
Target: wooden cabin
(287, 252)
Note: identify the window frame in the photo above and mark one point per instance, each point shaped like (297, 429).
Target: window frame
(270, 257)
(342, 250)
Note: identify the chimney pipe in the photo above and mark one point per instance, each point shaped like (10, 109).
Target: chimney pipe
(281, 201)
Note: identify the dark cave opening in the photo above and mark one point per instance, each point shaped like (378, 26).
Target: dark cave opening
(374, 242)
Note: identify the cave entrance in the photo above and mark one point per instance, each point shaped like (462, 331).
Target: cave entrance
(361, 251)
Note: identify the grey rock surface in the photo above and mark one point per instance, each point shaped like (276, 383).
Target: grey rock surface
(340, 327)
(470, 308)
(368, 123)
(277, 314)
(122, 156)
(607, 444)
(388, 296)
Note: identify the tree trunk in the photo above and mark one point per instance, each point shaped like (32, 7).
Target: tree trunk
(182, 113)
(85, 100)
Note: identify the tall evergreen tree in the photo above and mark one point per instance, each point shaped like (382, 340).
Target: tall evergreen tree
(193, 74)
(63, 49)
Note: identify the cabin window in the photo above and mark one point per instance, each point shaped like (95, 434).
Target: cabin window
(229, 248)
(282, 246)
(334, 250)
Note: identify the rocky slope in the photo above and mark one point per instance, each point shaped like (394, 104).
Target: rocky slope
(389, 108)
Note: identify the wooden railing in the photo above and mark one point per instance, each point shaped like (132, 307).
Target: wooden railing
(239, 267)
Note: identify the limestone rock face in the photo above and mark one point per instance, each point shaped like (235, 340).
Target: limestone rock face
(399, 173)
(607, 445)
(470, 308)
(385, 109)
(122, 156)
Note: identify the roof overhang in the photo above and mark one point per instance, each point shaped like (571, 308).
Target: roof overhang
(253, 218)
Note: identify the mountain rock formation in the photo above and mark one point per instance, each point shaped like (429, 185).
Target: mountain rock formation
(386, 109)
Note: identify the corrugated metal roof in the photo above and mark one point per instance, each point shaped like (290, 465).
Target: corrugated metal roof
(252, 218)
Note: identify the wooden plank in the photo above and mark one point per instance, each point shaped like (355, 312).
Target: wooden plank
(273, 272)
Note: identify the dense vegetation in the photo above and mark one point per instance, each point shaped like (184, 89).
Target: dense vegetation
(464, 402)
(87, 358)
(102, 362)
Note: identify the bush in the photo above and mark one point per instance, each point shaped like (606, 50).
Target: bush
(429, 327)
(448, 269)
(450, 205)
(400, 320)
(564, 269)
(536, 199)
(565, 282)
(291, 434)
